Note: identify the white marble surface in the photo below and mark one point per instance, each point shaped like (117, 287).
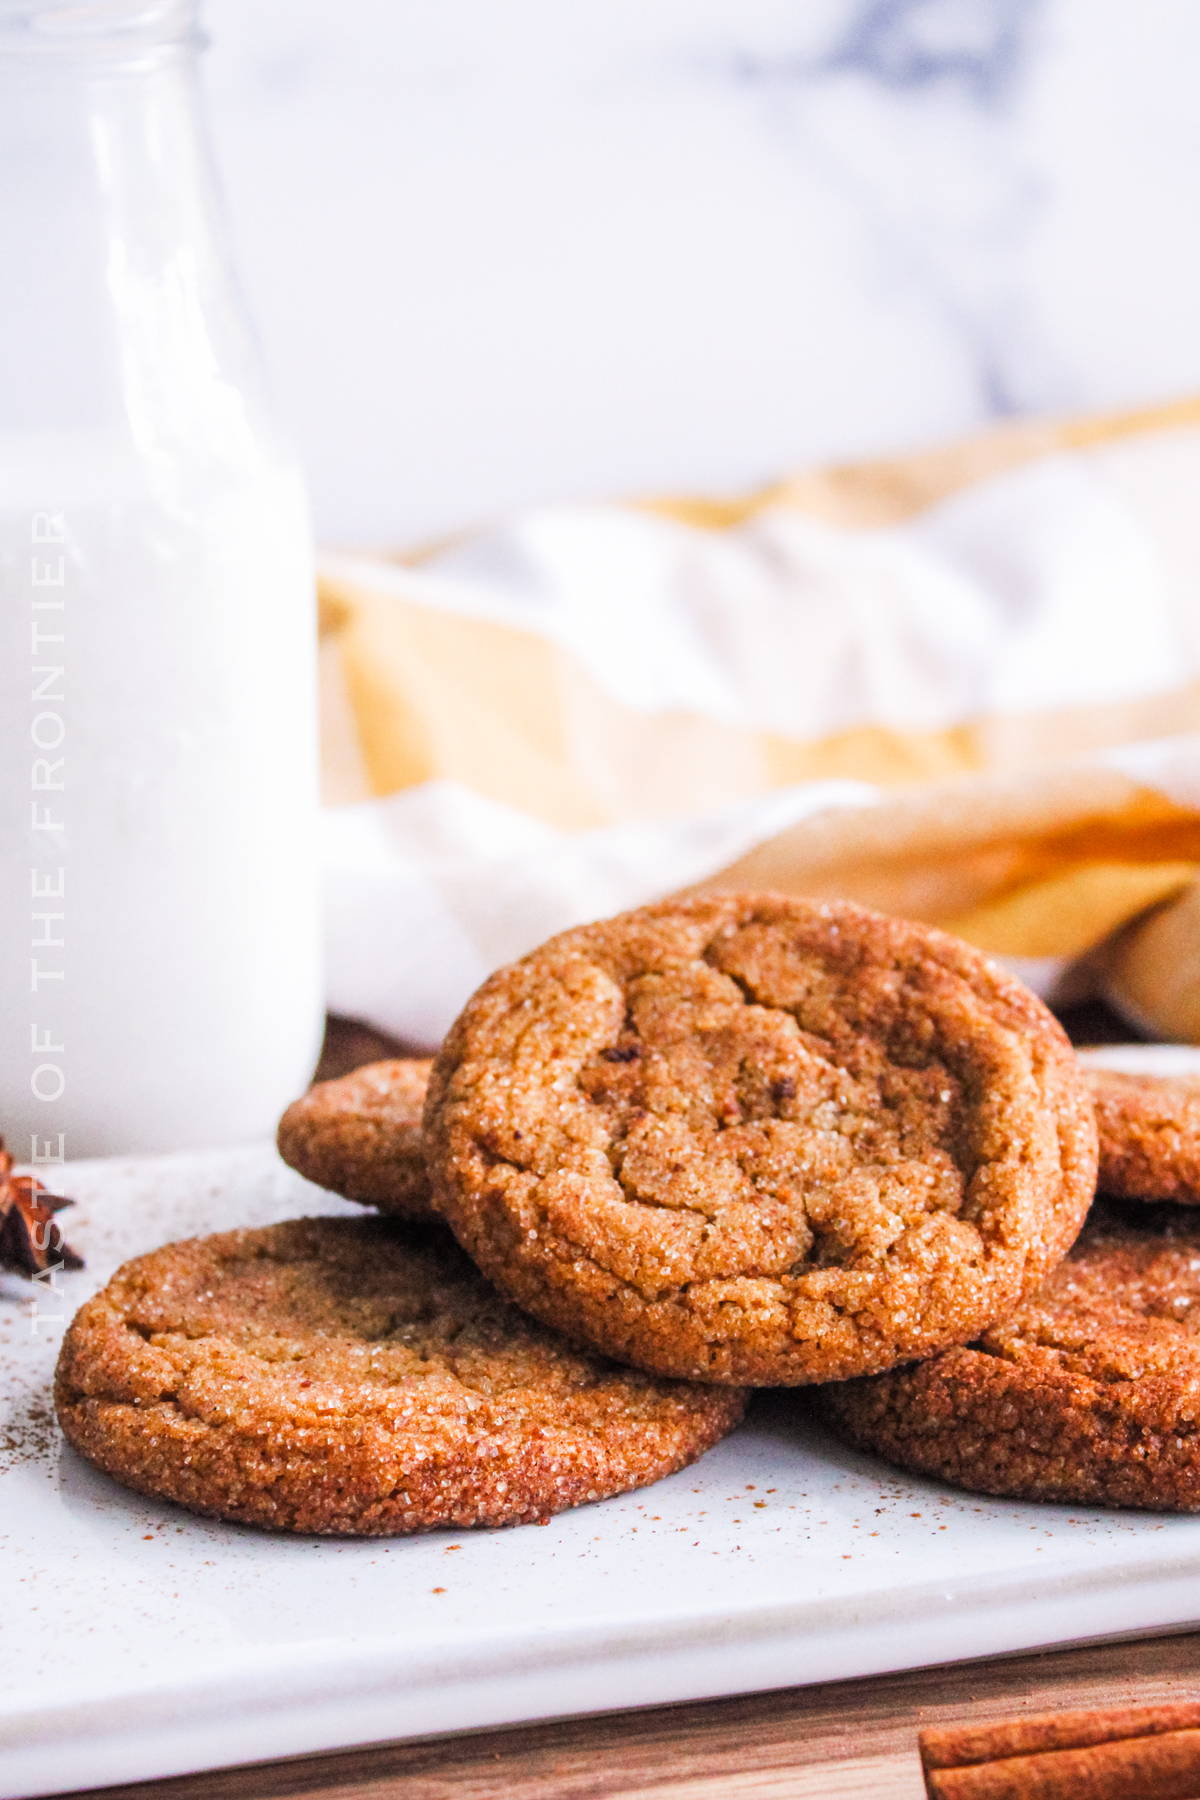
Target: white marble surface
(512, 249)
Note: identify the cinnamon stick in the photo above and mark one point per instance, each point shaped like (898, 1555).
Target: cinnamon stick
(1129, 1753)
(954, 1746)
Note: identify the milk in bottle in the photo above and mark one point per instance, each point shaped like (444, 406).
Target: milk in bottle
(159, 978)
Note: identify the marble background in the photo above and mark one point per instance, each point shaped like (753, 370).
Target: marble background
(501, 250)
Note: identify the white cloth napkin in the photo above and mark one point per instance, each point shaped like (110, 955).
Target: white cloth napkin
(1071, 582)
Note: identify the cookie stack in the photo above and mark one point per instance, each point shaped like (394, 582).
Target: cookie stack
(710, 1145)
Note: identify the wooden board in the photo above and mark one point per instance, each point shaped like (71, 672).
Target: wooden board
(850, 1740)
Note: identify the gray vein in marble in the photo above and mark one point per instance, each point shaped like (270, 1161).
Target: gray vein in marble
(909, 111)
(982, 46)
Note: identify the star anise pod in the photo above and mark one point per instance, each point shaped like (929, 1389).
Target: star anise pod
(30, 1241)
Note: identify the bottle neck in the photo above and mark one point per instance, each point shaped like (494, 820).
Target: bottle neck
(120, 312)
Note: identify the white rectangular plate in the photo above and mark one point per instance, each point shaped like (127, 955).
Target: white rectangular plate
(137, 1641)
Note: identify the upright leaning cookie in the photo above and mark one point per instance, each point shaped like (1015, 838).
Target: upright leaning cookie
(747, 1139)
(353, 1377)
(360, 1137)
(1089, 1392)
(1149, 1128)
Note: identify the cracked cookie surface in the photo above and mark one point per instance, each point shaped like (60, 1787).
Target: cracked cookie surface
(1149, 1129)
(357, 1378)
(1089, 1392)
(749, 1139)
(360, 1136)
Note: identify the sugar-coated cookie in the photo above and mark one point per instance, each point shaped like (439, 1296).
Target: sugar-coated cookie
(1149, 1129)
(750, 1139)
(360, 1136)
(1089, 1392)
(357, 1377)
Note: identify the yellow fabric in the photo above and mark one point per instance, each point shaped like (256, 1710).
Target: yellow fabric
(998, 829)
(972, 856)
(891, 489)
(1065, 914)
(1152, 969)
(520, 720)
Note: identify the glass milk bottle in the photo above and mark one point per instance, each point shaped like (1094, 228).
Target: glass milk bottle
(159, 978)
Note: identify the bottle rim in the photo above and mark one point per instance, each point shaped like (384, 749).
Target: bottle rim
(108, 33)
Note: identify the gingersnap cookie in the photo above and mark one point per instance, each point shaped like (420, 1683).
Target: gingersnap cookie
(1149, 1130)
(356, 1377)
(750, 1139)
(360, 1137)
(1088, 1392)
